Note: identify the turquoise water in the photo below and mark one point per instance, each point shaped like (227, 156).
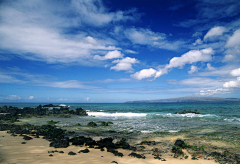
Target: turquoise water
(150, 118)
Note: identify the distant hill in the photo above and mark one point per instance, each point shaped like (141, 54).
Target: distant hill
(188, 99)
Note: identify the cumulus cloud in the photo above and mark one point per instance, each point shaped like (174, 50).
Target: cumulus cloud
(215, 31)
(234, 39)
(232, 84)
(198, 41)
(109, 55)
(145, 73)
(148, 73)
(31, 97)
(210, 68)
(87, 98)
(235, 72)
(211, 92)
(193, 69)
(124, 64)
(190, 57)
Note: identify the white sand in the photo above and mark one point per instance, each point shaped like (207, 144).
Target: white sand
(35, 151)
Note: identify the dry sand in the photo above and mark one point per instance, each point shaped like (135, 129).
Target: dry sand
(35, 151)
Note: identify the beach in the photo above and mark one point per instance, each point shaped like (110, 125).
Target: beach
(36, 151)
(120, 133)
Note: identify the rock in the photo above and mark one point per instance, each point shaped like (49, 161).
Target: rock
(106, 142)
(50, 155)
(78, 142)
(136, 155)
(80, 112)
(157, 157)
(122, 144)
(114, 162)
(27, 138)
(84, 151)
(92, 124)
(23, 143)
(71, 153)
(104, 124)
(59, 144)
(180, 143)
(60, 152)
(189, 111)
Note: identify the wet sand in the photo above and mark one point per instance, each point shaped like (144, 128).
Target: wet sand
(35, 151)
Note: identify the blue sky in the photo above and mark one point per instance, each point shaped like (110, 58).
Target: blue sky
(93, 51)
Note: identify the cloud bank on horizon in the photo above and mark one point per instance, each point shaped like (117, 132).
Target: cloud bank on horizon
(112, 51)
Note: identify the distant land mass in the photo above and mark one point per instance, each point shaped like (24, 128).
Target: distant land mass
(188, 99)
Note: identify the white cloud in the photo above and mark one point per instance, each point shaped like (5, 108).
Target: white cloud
(210, 68)
(232, 84)
(124, 64)
(109, 55)
(148, 73)
(147, 37)
(87, 98)
(193, 69)
(143, 36)
(10, 97)
(202, 82)
(235, 72)
(198, 41)
(215, 31)
(190, 57)
(145, 73)
(234, 39)
(131, 51)
(214, 92)
(39, 30)
(31, 97)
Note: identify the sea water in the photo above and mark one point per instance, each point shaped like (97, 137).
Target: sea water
(223, 118)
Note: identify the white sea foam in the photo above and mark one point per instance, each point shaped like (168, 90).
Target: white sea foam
(146, 131)
(173, 131)
(104, 114)
(191, 115)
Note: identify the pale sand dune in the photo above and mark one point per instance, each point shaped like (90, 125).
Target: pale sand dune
(36, 151)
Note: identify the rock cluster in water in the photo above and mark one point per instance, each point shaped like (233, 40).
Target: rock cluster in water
(186, 112)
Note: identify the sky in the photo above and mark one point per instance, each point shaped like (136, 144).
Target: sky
(105, 51)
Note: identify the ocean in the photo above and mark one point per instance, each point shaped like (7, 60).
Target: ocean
(216, 120)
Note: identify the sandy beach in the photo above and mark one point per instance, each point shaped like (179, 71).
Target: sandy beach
(36, 151)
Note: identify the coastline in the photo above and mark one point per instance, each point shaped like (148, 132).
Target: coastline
(36, 151)
(72, 130)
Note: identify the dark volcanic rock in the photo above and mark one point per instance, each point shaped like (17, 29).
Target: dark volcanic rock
(136, 155)
(104, 123)
(180, 143)
(92, 124)
(78, 142)
(106, 142)
(122, 144)
(71, 153)
(27, 138)
(84, 151)
(59, 144)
